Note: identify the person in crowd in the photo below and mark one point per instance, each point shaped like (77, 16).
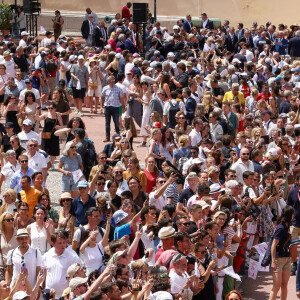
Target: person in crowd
(51, 212)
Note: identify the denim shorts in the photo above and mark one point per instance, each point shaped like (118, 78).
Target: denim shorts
(68, 184)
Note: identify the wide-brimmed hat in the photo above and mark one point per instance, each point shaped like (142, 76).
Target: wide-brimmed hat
(22, 232)
(166, 232)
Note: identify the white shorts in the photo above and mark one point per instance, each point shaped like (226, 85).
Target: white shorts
(94, 93)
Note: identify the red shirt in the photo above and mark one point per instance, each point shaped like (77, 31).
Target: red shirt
(246, 90)
(126, 13)
(263, 96)
(151, 180)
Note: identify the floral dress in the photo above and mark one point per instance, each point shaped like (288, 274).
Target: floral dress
(66, 223)
(53, 214)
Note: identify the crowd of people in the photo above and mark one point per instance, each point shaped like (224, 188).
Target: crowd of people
(217, 111)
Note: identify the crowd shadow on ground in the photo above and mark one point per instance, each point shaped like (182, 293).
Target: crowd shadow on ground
(256, 289)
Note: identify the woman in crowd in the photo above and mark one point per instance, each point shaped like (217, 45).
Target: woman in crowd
(11, 110)
(182, 124)
(22, 219)
(155, 117)
(165, 83)
(8, 238)
(37, 179)
(112, 187)
(92, 252)
(51, 213)
(139, 196)
(74, 123)
(113, 41)
(15, 143)
(215, 127)
(40, 231)
(53, 121)
(165, 146)
(29, 109)
(153, 148)
(113, 67)
(130, 130)
(145, 100)
(151, 172)
(125, 158)
(208, 103)
(95, 86)
(66, 220)
(280, 254)
(183, 151)
(9, 204)
(122, 146)
(69, 162)
(134, 107)
(62, 106)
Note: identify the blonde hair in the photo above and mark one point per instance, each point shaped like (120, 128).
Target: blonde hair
(183, 140)
(218, 213)
(212, 169)
(138, 265)
(207, 101)
(12, 193)
(6, 214)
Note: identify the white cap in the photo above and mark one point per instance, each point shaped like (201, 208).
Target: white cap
(23, 33)
(80, 57)
(236, 60)
(118, 55)
(170, 54)
(20, 295)
(176, 27)
(272, 152)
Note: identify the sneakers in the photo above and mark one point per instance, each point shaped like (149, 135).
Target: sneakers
(80, 114)
(143, 144)
(76, 111)
(294, 269)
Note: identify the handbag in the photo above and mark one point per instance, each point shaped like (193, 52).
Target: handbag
(93, 85)
(47, 135)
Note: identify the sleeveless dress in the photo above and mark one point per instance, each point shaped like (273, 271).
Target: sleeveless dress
(39, 239)
(146, 117)
(11, 116)
(30, 110)
(165, 152)
(51, 146)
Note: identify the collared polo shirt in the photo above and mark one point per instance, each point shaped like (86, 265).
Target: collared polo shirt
(78, 209)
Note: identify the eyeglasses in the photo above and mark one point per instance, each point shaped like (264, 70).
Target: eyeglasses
(119, 172)
(27, 82)
(2, 68)
(5, 196)
(181, 118)
(102, 158)
(185, 224)
(100, 183)
(126, 156)
(50, 107)
(202, 252)
(65, 200)
(124, 142)
(82, 188)
(44, 199)
(222, 219)
(290, 146)
(245, 153)
(23, 161)
(193, 152)
(232, 176)
(9, 220)
(162, 181)
(72, 147)
(24, 209)
(33, 145)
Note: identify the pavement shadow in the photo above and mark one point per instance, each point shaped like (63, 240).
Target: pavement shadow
(256, 289)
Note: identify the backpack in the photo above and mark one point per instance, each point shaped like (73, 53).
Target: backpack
(51, 65)
(172, 112)
(89, 158)
(182, 160)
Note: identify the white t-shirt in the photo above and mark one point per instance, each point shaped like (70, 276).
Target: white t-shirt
(195, 137)
(92, 258)
(167, 107)
(177, 282)
(37, 162)
(148, 243)
(159, 203)
(25, 137)
(46, 42)
(10, 67)
(35, 91)
(32, 259)
(8, 171)
(77, 234)
(22, 43)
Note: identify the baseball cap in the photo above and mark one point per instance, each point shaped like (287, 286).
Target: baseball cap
(214, 188)
(48, 32)
(116, 136)
(74, 282)
(265, 112)
(27, 122)
(283, 115)
(119, 215)
(192, 175)
(171, 54)
(82, 183)
(72, 57)
(9, 125)
(272, 152)
(73, 269)
(118, 55)
(156, 125)
(80, 57)
(23, 33)
(20, 295)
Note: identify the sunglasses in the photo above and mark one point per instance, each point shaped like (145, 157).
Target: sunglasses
(162, 181)
(193, 152)
(185, 224)
(44, 199)
(102, 158)
(124, 142)
(50, 107)
(202, 252)
(72, 147)
(5, 196)
(126, 156)
(245, 154)
(66, 200)
(24, 209)
(9, 220)
(24, 161)
(101, 183)
(119, 172)
(82, 188)
(181, 118)
(33, 145)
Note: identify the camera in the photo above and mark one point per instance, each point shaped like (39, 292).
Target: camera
(46, 294)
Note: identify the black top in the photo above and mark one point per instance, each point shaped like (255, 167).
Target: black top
(282, 234)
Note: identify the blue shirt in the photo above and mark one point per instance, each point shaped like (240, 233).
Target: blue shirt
(78, 209)
(293, 200)
(122, 230)
(16, 179)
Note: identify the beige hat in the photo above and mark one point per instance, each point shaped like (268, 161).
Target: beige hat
(66, 195)
(6, 53)
(73, 269)
(22, 232)
(166, 232)
(203, 204)
(74, 282)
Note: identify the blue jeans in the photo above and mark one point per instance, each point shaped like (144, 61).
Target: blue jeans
(110, 111)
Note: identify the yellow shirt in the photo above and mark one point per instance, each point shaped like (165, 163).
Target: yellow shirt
(229, 96)
(31, 198)
(95, 169)
(140, 175)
